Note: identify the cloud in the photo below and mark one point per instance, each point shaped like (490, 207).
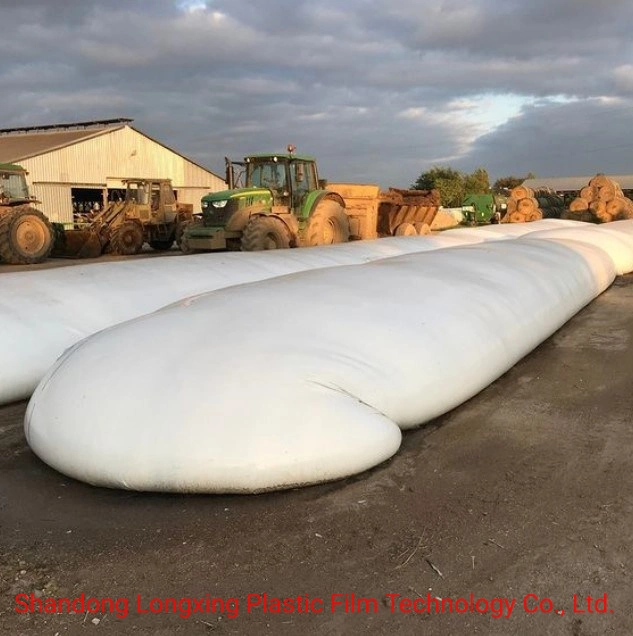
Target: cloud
(378, 90)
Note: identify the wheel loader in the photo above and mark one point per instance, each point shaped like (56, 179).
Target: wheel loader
(148, 213)
(277, 201)
(26, 236)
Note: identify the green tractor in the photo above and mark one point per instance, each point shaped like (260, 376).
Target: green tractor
(483, 208)
(26, 236)
(273, 201)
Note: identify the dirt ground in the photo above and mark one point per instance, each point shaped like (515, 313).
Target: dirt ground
(51, 263)
(524, 490)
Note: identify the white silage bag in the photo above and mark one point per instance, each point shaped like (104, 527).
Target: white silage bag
(42, 313)
(304, 378)
(618, 243)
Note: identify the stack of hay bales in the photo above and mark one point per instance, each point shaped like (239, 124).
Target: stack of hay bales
(601, 201)
(522, 206)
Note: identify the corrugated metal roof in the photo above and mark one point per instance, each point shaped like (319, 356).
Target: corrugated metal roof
(575, 184)
(95, 123)
(15, 148)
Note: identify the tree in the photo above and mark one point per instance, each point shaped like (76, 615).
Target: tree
(477, 183)
(449, 183)
(507, 183)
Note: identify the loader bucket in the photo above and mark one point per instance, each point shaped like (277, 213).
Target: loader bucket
(76, 244)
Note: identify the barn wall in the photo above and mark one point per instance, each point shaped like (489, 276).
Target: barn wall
(193, 196)
(56, 202)
(115, 155)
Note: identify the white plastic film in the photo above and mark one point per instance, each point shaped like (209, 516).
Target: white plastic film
(308, 377)
(42, 313)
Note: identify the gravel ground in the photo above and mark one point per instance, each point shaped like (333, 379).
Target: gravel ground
(522, 493)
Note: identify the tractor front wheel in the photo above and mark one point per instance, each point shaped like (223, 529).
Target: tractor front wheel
(265, 233)
(127, 239)
(26, 236)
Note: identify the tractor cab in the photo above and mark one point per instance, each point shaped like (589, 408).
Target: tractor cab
(288, 177)
(154, 200)
(13, 187)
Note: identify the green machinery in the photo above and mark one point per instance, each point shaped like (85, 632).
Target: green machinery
(26, 236)
(482, 208)
(273, 201)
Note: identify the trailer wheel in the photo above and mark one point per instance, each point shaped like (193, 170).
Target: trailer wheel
(422, 228)
(126, 239)
(405, 229)
(265, 233)
(26, 236)
(328, 224)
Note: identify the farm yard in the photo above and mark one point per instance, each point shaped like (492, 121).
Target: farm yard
(520, 491)
(507, 513)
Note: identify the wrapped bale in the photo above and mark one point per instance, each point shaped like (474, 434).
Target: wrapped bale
(550, 204)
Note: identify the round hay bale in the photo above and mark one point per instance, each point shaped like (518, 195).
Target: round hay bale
(587, 216)
(521, 192)
(535, 215)
(422, 228)
(604, 217)
(517, 217)
(598, 207)
(600, 180)
(511, 205)
(606, 192)
(527, 205)
(578, 205)
(588, 193)
(615, 206)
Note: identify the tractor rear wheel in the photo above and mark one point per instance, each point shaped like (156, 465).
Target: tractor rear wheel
(265, 233)
(328, 224)
(126, 239)
(26, 236)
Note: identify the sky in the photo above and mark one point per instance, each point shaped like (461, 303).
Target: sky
(379, 91)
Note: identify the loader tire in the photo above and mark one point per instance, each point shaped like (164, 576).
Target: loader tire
(26, 236)
(328, 224)
(127, 239)
(184, 246)
(182, 237)
(265, 233)
(180, 231)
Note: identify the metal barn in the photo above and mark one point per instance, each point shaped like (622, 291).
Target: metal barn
(76, 168)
